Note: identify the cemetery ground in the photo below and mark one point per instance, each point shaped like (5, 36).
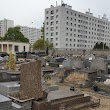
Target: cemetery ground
(104, 100)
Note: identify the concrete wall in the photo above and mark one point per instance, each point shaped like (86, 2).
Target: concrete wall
(57, 104)
(7, 46)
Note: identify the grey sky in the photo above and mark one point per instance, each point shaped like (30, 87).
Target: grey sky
(23, 12)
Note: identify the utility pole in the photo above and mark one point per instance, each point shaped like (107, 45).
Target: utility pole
(103, 47)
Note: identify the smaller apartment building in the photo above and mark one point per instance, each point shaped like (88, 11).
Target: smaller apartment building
(32, 34)
(6, 46)
(4, 25)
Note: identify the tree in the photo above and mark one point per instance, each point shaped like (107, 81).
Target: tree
(47, 77)
(41, 44)
(14, 34)
(100, 46)
(11, 62)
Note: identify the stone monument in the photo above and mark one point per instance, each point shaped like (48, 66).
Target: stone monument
(30, 84)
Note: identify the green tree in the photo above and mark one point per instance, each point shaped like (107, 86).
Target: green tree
(14, 34)
(100, 46)
(41, 44)
(47, 77)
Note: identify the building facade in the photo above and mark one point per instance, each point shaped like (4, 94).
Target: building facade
(68, 29)
(14, 47)
(32, 34)
(4, 25)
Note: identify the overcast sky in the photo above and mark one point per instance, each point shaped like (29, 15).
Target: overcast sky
(24, 12)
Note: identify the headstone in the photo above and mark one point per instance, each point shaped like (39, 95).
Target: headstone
(75, 62)
(99, 64)
(31, 80)
(5, 103)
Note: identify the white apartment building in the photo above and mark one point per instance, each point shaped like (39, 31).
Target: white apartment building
(69, 29)
(4, 25)
(32, 34)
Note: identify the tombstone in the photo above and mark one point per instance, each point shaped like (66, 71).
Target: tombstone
(31, 80)
(99, 64)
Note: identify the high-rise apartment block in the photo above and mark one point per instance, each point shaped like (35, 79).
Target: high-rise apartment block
(32, 34)
(70, 29)
(4, 25)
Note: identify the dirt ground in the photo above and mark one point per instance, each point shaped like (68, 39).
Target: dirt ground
(104, 101)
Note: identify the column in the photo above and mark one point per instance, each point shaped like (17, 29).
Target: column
(7, 48)
(1, 47)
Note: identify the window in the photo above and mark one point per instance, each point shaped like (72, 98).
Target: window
(47, 23)
(57, 27)
(51, 34)
(51, 23)
(66, 34)
(52, 17)
(67, 23)
(70, 29)
(70, 39)
(71, 24)
(51, 39)
(56, 44)
(71, 13)
(47, 12)
(66, 28)
(57, 11)
(56, 16)
(47, 18)
(52, 12)
(66, 44)
(75, 14)
(56, 22)
(46, 34)
(66, 39)
(71, 19)
(67, 12)
(56, 33)
(16, 48)
(52, 29)
(56, 38)
(67, 18)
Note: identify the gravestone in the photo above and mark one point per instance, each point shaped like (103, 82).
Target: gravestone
(30, 84)
(99, 64)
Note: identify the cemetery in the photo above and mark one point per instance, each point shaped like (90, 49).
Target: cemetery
(31, 84)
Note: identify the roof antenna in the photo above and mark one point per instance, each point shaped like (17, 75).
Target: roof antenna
(62, 2)
(56, 3)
